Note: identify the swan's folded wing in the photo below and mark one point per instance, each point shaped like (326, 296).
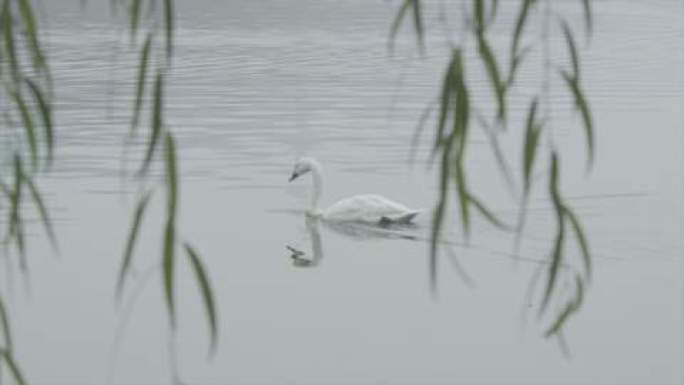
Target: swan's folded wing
(369, 208)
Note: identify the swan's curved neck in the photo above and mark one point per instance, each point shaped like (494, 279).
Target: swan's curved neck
(317, 175)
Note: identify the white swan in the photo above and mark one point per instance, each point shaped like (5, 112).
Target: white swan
(359, 208)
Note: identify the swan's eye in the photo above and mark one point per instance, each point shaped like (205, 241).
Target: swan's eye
(293, 176)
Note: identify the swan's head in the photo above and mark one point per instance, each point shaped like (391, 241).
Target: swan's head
(303, 166)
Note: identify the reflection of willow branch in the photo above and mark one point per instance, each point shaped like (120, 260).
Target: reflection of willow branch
(119, 334)
(498, 153)
(453, 258)
(143, 280)
(528, 304)
(173, 360)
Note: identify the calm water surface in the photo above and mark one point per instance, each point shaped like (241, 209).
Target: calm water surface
(257, 84)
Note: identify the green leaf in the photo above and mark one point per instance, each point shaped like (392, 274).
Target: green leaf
(6, 331)
(405, 5)
(557, 253)
(494, 75)
(168, 268)
(156, 122)
(417, 21)
(207, 295)
(462, 107)
(493, 140)
(16, 226)
(569, 309)
(7, 23)
(459, 139)
(520, 24)
(438, 217)
(42, 211)
(135, 17)
(445, 100)
(462, 195)
(13, 367)
(588, 18)
(170, 233)
(130, 243)
(516, 56)
(140, 83)
(560, 320)
(493, 10)
(487, 213)
(26, 12)
(572, 48)
(28, 126)
(46, 114)
(168, 23)
(415, 140)
(532, 132)
(581, 239)
(171, 174)
(581, 104)
(479, 11)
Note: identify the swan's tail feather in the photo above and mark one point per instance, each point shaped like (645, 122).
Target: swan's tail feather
(404, 218)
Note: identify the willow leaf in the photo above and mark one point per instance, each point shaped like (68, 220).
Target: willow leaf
(581, 239)
(6, 331)
(171, 174)
(462, 195)
(10, 49)
(130, 243)
(170, 232)
(493, 10)
(438, 217)
(583, 107)
(515, 54)
(13, 367)
(557, 252)
(394, 29)
(168, 268)
(572, 48)
(42, 211)
(569, 309)
(420, 127)
(520, 24)
(140, 83)
(479, 15)
(447, 91)
(494, 75)
(16, 225)
(156, 122)
(135, 17)
(168, 26)
(26, 12)
(532, 132)
(560, 320)
(418, 23)
(46, 115)
(588, 18)
(28, 126)
(207, 295)
(487, 213)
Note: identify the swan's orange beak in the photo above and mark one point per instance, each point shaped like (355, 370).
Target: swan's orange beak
(293, 176)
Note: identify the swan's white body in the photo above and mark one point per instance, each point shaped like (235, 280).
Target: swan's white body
(367, 208)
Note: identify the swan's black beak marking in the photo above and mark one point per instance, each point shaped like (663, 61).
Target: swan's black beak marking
(293, 177)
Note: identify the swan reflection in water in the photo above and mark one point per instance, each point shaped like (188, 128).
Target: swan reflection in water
(349, 229)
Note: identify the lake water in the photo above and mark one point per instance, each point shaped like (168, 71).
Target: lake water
(256, 84)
